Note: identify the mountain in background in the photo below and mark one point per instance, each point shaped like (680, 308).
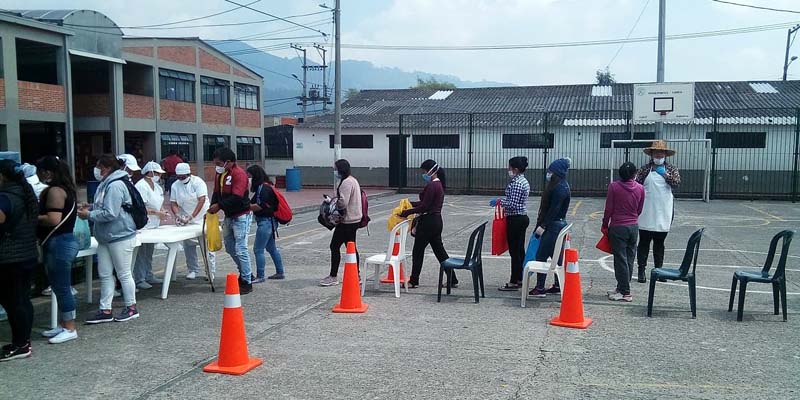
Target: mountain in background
(281, 89)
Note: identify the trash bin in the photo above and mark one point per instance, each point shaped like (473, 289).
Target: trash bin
(91, 188)
(293, 180)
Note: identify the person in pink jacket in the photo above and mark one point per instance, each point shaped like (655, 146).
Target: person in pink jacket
(623, 206)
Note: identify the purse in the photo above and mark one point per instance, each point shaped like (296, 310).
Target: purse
(40, 247)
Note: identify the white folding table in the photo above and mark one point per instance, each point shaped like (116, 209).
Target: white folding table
(171, 236)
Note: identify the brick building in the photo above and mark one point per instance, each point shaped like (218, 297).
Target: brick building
(72, 85)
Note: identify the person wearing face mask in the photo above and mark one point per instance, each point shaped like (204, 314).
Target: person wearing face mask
(515, 207)
(131, 166)
(32, 178)
(153, 197)
(429, 225)
(551, 219)
(348, 195)
(188, 201)
(231, 195)
(115, 232)
(659, 179)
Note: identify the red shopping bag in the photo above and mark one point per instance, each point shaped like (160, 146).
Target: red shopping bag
(499, 231)
(603, 244)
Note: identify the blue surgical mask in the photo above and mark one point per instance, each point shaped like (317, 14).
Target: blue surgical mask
(426, 177)
(549, 176)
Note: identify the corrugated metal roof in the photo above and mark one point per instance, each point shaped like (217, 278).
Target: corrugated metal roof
(762, 87)
(440, 95)
(602, 91)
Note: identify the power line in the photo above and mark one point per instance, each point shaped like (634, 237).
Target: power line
(223, 24)
(629, 33)
(170, 23)
(275, 16)
(316, 23)
(756, 7)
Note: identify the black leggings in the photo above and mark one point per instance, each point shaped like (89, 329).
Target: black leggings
(643, 251)
(15, 288)
(428, 231)
(342, 234)
(515, 231)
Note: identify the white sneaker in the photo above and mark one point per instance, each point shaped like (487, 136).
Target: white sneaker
(53, 332)
(73, 291)
(65, 336)
(155, 280)
(620, 297)
(144, 285)
(191, 275)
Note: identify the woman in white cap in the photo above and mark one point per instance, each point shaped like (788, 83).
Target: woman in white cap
(32, 178)
(131, 166)
(189, 202)
(153, 197)
(659, 179)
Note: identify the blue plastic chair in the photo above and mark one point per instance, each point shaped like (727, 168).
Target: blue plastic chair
(472, 262)
(680, 274)
(778, 279)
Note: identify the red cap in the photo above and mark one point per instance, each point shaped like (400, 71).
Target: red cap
(571, 255)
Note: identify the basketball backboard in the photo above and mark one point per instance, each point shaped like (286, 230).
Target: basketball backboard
(659, 102)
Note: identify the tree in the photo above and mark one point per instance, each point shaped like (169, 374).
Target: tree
(350, 93)
(432, 83)
(605, 77)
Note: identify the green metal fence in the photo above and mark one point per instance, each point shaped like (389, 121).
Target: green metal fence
(753, 154)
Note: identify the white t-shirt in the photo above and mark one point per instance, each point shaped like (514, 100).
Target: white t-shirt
(186, 195)
(153, 200)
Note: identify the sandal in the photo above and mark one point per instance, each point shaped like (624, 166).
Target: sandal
(412, 285)
(453, 286)
(510, 287)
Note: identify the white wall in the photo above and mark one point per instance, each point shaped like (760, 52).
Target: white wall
(312, 148)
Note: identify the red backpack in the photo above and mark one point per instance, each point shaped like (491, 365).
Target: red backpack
(283, 213)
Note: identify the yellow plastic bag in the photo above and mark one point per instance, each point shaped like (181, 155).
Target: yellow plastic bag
(394, 219)
(213, 235)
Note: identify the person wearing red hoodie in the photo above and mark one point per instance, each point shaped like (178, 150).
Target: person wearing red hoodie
(231, 191)
(623, 206)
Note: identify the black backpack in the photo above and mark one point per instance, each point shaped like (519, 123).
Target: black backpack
(136, 209)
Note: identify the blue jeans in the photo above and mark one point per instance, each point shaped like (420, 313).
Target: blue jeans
(547, 247)
(143, 269)
(59, 254)
(234, 234)
(265, 240)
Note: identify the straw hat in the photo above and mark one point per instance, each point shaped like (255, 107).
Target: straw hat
(659, 145)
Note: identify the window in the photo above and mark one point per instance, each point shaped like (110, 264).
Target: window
(607, 137)
(248, 148)
(213, 142)
(175, 85)
(214, 92)
(435, 141)
(528, 141)
(738, 140)
(353, 141)
(246, 96)
(279, 142)
(184, 144)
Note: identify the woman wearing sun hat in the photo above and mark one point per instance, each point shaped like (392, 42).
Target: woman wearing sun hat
(659, 179)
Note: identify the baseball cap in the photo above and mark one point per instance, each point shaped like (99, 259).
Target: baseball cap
(130, 162)
(183, 169)
(152, 166)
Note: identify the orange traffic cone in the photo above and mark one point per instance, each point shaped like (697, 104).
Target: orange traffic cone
(233, 357)
(395, 251)
(351, 292)
(572, 301)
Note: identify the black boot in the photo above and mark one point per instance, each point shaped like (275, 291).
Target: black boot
(641, 276)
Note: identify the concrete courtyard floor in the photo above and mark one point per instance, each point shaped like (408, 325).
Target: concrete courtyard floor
(412, 347)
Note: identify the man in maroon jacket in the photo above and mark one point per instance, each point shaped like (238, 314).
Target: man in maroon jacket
(231, 196)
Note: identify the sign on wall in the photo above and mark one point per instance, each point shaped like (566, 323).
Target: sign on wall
(659, 102)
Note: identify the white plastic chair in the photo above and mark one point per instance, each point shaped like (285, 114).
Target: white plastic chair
(387, 259)
(545, 267)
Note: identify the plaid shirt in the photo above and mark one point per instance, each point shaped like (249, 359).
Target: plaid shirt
(517, 193)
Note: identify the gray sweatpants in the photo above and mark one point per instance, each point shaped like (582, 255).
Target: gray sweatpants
(623, 247)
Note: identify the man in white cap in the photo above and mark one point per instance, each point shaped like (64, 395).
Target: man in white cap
(189, 202)
(131, 165)
(153, 197)
(30, 175)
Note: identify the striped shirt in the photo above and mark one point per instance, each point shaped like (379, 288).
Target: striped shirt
(517, 193)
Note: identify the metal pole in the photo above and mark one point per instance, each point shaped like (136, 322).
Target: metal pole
(795, 171)
(305, 83)
(662, 19)
(469, 155)
(714, 136)
(322, 52)
(337, 83)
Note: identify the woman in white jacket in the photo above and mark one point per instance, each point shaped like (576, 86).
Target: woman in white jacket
(153, 197)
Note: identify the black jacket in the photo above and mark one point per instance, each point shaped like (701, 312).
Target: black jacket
(266, 199)
(18, 233)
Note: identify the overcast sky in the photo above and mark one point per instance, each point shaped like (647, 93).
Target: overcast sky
(754, 56)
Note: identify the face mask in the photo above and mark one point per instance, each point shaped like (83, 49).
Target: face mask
(549, 176)
(186, 180)
(337, 175)
(219, 169)
(511, 174)
(426, 177)
(98, 175)
(658, 161)
(156, 178)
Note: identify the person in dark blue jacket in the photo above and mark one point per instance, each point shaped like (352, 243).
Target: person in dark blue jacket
(551, 219)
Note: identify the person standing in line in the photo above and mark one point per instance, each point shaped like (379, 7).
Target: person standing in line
(230, 196)
(189, 203)
(515, 207)
(659, 178)
(18, 213)
(153, 197)
(624, 203)
(264, 204)
(429, 225)
(348, 198)
(551, 220)
(116, 237)
(57, 214)
(40, 282)
(169, 163)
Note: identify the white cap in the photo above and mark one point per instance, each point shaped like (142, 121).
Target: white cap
(130, 162)
(183, 169)
(152, 166)
(29, 170)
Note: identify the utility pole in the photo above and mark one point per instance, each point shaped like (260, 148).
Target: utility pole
(337, 83)
(662, 19)
(786, 62)
(322, 52)
(305, 83)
